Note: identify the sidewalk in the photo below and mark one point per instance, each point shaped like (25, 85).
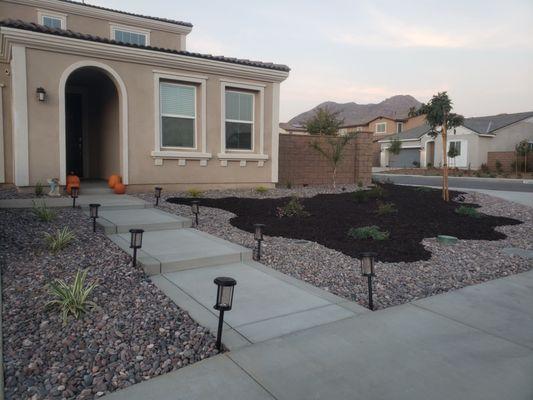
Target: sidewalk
(475, 343)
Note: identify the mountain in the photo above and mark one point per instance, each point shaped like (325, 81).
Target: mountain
(361, 114)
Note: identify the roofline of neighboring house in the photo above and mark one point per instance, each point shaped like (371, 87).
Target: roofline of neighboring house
(501, 127)
(52, 39)
(99, 12)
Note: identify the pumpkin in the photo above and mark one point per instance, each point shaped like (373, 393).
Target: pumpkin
(113, 180)
(73, 179)
(71, 185)
(119, 188)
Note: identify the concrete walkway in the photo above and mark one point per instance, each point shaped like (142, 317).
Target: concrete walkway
(475, 343)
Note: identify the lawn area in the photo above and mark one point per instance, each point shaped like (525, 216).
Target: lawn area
(405, 214)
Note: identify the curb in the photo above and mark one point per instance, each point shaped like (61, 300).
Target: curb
(474, 178)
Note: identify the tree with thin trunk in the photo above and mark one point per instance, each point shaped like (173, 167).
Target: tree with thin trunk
(522, 149)
(439, 116)
(452, 153)
(334, 152)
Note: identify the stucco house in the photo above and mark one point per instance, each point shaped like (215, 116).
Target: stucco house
(99, 92)
(480, 140)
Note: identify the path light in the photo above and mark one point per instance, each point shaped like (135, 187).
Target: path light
(258, 236)
(74, 192)
(195, 209)
(93, 210)
(136, 242)
(157, 194)
(224, 302)
(367, 269)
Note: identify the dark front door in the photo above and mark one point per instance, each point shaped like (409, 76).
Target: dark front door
(74, 125)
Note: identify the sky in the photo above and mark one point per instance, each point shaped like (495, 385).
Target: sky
(481, 52)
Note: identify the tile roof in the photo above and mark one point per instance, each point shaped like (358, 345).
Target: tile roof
(413, 133)
(170, 21)
(488, 124)
(30, 26)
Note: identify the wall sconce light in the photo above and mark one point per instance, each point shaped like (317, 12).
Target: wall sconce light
(41, 94)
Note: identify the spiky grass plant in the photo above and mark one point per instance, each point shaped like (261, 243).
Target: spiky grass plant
(71, 298)
(261, 189)
(192, 192)
(368, 232)
(42, 212)
(468, 211)
(59, 240)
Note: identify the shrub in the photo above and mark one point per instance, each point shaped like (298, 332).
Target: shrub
(39, 189)
(42, 212)
(386, 208)
(192, 192)
(368, 232)
(377, 192)
(261, 189)
(395, 146)
(361, 196)
(289, 185)
(468, 211)
(294, 208)
(499, 168)
(60, 239)
(360, 184)
(416, 164)
(73, 298)
(484, 168)
(429, 165)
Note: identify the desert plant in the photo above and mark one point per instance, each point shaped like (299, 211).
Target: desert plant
(334, 152)
(484, 168)
(368, 232)
(522, 149)
(39, 189)
(60, 239)
(395, 146)
(468, 211)
(294, 208)
(323, 122)
(360, 196)
(359, 184)
(429, 165)
(261, 189)
(289, 185)
(42, 212)
(377, 192)
(453, 152)
(386, 208)
(192, 192)
(499, 167)
(73, 298)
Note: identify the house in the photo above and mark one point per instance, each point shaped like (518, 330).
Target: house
(480, 140)
(100, 91)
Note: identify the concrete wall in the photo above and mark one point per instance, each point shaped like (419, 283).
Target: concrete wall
(300, 164)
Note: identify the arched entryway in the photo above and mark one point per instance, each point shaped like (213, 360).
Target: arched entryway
(93, 129)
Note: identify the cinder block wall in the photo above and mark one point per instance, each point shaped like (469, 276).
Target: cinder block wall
(507, 158)
(300, 164)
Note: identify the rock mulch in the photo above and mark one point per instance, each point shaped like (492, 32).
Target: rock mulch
(449, 268)
(134, 334)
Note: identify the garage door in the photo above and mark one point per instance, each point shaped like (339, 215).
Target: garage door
(404, 159)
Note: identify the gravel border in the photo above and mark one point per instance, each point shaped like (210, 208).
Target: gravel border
(450, 267)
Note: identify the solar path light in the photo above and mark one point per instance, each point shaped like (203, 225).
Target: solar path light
(224, 302)
(367, 269)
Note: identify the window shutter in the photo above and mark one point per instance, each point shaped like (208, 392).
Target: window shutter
(177, 100)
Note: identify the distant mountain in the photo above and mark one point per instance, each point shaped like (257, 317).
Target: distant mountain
(360, 114)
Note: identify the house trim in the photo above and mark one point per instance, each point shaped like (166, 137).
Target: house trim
(2, 159)
(123, 118)
(275, 132)
(20, 116)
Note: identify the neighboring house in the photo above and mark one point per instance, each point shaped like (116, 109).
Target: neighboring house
(99, 91)
(480, 140)
(286, 128)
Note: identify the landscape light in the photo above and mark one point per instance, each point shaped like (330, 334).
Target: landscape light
(93, 212)
(74, 192)
(258, 236)
(224, 302)
(195, 209)
(157, 194)
(367, 269)
(136, 242)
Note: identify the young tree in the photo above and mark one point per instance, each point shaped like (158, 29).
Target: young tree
(334, 152)
(395, 146)
(452, 153)
(323, 122)
(522, 149)
(441, 120)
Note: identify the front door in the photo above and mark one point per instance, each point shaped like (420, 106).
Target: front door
(74, 131)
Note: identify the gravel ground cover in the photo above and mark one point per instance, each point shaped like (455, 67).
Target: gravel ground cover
(11, 192)
(134, 334)
(449, 267)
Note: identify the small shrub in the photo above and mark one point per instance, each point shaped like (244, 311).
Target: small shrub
(73, 298)
(429, 165)
(289, 185)
(416, 164)
(468, 211)
(294, 208)
(499, 167)
(261, 189)
(377, 192)
(423, 189)
(42, 212)
(360, 196)
(192, 192)
(39, 189)
(368, 232)
(386, 208)
(484, 168)
(59, 240)
(360, 184)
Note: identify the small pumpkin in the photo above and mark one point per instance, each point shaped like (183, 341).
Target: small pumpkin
(72, 179)
(113, 180)
(119, 188)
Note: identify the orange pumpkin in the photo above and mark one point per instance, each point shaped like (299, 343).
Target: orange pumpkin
(73, 179)
(71, 185)
(119, 188)
(113, 180)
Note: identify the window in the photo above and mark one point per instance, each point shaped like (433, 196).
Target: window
(52, 20)
(178, 115)
(239, 120)
(130, 37)
(399, 127)
(359, 129)
(381, 127)
(456, 147)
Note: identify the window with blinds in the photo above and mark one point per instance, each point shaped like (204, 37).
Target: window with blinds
(52, 22)
(239, 120)
(178, 115)
(130, 37)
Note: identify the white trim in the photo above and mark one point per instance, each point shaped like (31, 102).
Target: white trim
(242, 156)
(380, 123)
(113, 28)
(123, 118)
(201, 116)
(43, 41)
(2, 157)
(51, 14)
(186, 155)
(275, 132)
(20, 116)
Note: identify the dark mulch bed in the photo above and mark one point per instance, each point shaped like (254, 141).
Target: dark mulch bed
(421, 214)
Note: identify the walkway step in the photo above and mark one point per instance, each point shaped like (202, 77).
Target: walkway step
(166, 251)
(149, 219)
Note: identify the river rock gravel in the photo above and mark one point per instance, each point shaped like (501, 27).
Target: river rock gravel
(134, 334)
(449, 268)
